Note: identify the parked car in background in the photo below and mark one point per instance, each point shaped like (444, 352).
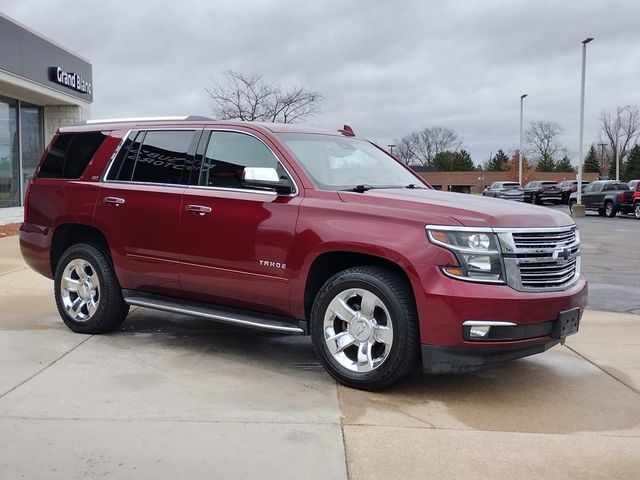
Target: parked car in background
(630, 200)
(540, 191)
(506, 190)
(602, 196)
(567, 187)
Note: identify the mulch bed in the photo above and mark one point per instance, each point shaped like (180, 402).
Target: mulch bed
(9, 230)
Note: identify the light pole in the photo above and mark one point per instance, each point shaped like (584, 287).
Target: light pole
(580, 159)
(617, 153)
(520, 150)
(601, 145)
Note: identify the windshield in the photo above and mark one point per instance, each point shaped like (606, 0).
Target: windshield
(342, 163)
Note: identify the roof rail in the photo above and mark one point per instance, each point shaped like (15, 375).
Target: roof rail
(148, 119)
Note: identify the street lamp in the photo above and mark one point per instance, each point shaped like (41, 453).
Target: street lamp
(520, 150)
(580, 159)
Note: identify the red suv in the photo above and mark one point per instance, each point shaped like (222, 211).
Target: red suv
(297, 230)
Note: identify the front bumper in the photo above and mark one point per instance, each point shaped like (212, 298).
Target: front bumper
(446, 304)
(438, 359)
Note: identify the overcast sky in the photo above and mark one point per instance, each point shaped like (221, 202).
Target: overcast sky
(387, 68)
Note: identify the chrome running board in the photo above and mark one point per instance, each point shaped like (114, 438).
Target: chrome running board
(245, 318)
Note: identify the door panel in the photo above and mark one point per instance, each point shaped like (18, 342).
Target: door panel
(236, 253)
(234, 240)
(139, 208)
(140, 223)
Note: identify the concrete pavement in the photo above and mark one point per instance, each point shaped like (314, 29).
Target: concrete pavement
(171, 396)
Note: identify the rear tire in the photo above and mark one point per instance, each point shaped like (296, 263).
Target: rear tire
(636, 210)
(364, 328)
(609, 210)
(87, 292)
(571, 204)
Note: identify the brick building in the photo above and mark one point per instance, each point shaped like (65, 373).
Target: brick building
(475, 182)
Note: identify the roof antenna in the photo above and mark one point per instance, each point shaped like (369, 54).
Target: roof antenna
(347, 131)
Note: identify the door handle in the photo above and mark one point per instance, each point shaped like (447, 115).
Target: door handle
(115, 201)
(198, 209)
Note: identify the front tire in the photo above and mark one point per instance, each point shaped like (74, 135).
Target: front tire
(364, 328)
(571, 205)
(87, 292)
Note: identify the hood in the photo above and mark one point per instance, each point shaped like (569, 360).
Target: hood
(469, 210)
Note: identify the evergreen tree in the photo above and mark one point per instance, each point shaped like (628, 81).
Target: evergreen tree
(632, 165)
(591, 163)
(546, 164)
(444, 161)
(564, 165)
(463, 161)
(498, 163)
(448, 161)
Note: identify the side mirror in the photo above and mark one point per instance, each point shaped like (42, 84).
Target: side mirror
(266, 178)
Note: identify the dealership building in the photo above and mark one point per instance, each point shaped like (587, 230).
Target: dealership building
(43, 86)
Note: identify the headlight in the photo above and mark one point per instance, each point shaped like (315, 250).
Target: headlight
(478, 253)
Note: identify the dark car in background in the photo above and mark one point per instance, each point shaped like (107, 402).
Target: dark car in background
(606, 197)
(506, 190)
(630, 200)
(540, 191)
(567, 187)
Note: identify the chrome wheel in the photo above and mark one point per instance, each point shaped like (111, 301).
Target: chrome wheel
(358, 330)
(608, 210)
(80, 290)
(636, 210)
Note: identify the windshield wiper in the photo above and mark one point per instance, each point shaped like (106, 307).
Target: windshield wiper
(362, 188)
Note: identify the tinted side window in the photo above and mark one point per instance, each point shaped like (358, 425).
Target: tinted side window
(122, 166)
(228, 153)
(70, 154)
(162, 156)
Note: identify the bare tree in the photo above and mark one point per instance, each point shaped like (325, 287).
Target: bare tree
(250, 97)
(621, 131)
(543, 140)
(420, 148)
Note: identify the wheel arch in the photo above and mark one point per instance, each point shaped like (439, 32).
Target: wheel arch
(68, 234)
(328, 263)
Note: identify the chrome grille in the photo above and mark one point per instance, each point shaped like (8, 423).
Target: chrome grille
(547, 274)
(541, 260)
(544, 240)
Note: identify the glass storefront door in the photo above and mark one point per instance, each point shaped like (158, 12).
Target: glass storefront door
(9, 154)
(21, 127)
(31, 130)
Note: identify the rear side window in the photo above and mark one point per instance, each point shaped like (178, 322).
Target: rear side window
(156, 156)
(70, 154)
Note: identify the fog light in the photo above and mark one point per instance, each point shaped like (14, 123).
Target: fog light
(479, 331)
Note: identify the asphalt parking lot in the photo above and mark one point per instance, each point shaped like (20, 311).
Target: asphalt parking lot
(611, 261)
(171, 396)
